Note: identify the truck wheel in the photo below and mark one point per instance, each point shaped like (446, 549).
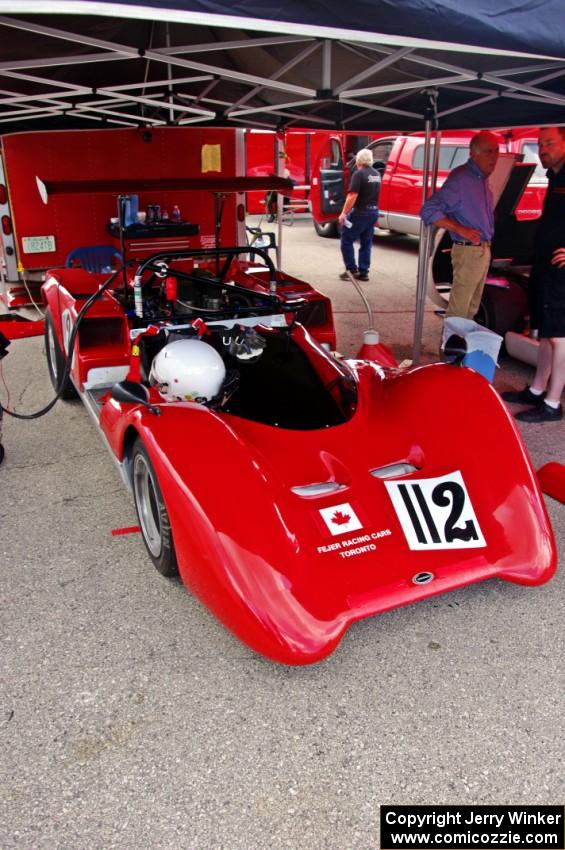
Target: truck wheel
(152, 513)
(327, 229)
(56, 360)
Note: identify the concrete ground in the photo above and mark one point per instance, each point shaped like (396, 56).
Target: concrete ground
(131, 720)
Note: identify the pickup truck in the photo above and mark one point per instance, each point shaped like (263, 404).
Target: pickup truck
(400, 160)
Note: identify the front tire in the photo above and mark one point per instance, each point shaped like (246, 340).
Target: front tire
(56, 360)
(326, 229)
(152, 512)
(503, 309)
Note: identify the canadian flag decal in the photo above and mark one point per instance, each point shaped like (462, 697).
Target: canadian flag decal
(340, 519)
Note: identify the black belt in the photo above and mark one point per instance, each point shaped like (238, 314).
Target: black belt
(362, 209)
(472, 244)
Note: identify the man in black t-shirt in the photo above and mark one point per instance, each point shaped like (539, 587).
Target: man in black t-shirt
(547, 290)
(359, 216)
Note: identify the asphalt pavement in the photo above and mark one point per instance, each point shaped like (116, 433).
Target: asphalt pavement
(131, 719)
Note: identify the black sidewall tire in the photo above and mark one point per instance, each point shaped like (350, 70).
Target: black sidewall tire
(326, 229)
(166, 562)
(503, 310)
(56, 360)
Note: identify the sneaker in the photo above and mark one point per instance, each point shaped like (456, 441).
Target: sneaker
(361, 275)
(525, 396)
(345, 275)
(542, 413)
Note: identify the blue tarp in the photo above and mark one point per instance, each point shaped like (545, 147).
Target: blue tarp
(533, 27)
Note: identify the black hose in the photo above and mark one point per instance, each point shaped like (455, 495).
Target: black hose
(64, 377)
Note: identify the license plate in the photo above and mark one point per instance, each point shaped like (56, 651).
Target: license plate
(38, 244)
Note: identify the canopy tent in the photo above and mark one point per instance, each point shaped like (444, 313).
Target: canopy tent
(69, 63)
(378, 65)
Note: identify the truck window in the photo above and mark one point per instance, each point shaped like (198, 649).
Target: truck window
(530, 151)
(381, 151)
(449, 157)
(460, 156)
(335, 154)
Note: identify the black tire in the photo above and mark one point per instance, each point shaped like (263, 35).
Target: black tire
(326, 229)
(152, 513)
(503, 309)
(56, 360)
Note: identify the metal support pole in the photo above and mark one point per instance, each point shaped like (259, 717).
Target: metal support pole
(280, 153)
(425, 240)
(122, 199)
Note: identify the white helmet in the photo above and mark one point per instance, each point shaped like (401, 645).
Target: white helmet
(188, 370)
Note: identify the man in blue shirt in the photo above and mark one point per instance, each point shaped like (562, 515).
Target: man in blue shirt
(464, 207)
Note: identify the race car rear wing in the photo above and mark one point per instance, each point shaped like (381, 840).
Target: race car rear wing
(269, 183)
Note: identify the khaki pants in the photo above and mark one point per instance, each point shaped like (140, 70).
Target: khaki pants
(470, 265)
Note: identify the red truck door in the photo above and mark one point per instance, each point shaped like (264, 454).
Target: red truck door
(328, 188)
(331, 172)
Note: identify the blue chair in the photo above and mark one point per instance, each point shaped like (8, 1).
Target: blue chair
(95, 258)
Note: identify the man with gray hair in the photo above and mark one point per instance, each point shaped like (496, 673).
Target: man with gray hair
(464, 207)
(359, 216)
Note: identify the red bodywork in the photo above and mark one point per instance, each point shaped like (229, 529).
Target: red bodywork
(288, 568)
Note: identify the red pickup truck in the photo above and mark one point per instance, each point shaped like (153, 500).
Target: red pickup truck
(400, 160)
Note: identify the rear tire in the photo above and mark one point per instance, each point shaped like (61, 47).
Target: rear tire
(56, 360)
(152, 513)
(326, 229)
(503, 309)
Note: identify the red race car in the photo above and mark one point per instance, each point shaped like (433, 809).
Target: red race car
(294, 492)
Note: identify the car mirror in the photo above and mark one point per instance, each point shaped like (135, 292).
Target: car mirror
(130, 392)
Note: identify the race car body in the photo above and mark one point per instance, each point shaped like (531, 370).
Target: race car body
(294, 492)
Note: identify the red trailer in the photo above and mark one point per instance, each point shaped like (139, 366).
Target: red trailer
(37, 236)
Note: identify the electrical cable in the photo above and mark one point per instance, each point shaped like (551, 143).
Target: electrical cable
(30, 295)
(64, 377)
(5, 385)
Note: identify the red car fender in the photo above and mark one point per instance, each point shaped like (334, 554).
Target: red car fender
(470, 417)
(59, 293)
(50, 297)
(235, 581)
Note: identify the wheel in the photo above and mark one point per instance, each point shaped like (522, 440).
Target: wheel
(503, 309)
(152, 513)
(56, 360)
(327, 229)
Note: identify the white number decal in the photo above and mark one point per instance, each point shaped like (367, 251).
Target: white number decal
(436, 513)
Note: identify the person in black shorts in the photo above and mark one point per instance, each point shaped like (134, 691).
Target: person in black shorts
(547, 290)
(359, 216)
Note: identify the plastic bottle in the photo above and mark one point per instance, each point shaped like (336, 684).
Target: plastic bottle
(175, 215)
(138, 297)
(164, 215)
